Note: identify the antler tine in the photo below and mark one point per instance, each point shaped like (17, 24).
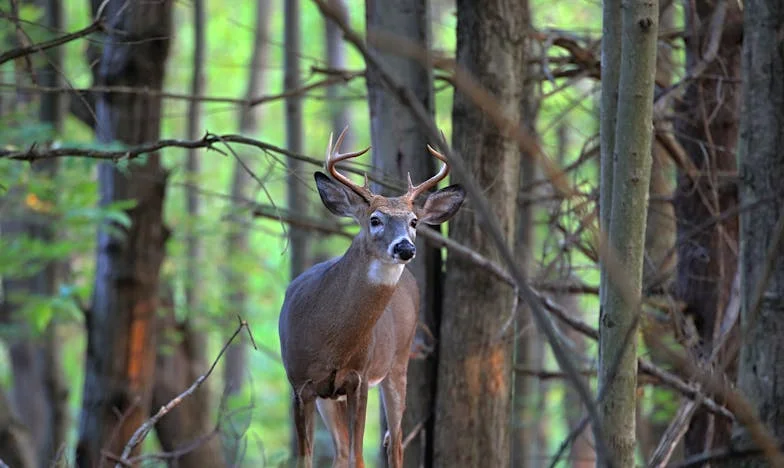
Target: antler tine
(333, 157)
(414, 192)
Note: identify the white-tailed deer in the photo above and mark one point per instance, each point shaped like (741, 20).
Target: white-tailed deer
(347, 324)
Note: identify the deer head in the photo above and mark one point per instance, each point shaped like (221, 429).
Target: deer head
(387, 224)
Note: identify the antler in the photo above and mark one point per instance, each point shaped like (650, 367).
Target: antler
(333, 157)
(414, 192)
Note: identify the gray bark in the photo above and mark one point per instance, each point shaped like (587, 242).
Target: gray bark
(473, 405)
(121, 332)
(628, 213)
(399, 147)
(761, 369)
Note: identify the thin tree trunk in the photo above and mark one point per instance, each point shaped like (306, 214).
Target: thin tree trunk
(180, 361)
(399, 148)
(17, 448)
(708, 128)
(296, 189)
(473, 405)
(340, 118)
(761, 369)
(236, 283)
(190, 423)
(631, 181)
(659, 266)
(39, 394)
(121, 331)
(528, 394)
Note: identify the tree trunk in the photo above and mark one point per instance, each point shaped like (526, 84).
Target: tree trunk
(529, 392)
(180, 361)
(628, 213)
(761, 369)
(707, 259)
(473, 405)
(236, 284)
(39, 394)
(399, 148)
(181, 355)
(121, 336)
(659, 266)
(17, 449)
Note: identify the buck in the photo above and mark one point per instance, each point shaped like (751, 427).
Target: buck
(347, 324)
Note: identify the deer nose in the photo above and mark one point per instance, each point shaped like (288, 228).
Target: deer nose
(404, 249)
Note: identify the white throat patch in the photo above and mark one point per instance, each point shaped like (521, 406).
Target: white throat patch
(387, 274)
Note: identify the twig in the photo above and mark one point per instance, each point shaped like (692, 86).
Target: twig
(41, 46)
(148, 425)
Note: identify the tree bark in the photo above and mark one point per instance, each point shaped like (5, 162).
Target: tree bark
(236, 283)
(628, 213)
(399, 148)
(473, 405)
(121, 337)
(761, 369)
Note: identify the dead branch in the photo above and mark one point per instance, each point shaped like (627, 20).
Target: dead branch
(148, 425)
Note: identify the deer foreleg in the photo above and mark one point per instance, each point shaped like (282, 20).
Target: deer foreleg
(303, 422)
(335, 416)
(356, 402)
(393, 396)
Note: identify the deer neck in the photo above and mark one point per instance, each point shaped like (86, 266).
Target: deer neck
(372, 282)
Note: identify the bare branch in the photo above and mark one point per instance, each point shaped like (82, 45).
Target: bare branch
(58, 41)
(148, 425)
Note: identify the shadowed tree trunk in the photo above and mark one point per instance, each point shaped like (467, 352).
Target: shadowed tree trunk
(236, 284)
(121, 331)
(761, 369)
(181, 354)
(473, 406)
(624, 225)
(708, 126)
(16, 447)
(400, 147)
(39, 395)
(180, 362)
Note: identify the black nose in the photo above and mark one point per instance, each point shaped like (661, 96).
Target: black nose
(405, 250)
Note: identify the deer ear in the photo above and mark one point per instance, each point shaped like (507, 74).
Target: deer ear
(338, 199)
(442, 205)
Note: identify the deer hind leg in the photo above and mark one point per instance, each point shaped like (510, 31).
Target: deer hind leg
(356, 402)
(335, 416)
(303, 421)
(393, 395)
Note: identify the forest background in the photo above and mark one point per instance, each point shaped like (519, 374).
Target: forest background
(128, 266)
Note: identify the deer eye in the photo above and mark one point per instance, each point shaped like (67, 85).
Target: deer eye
(414, 223)
(375, 221)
